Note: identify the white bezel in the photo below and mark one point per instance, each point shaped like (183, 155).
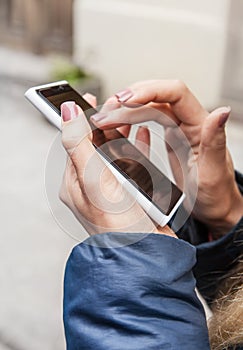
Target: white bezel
(32, 95)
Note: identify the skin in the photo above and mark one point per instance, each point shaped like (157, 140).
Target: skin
(89, 188)
(219, 203)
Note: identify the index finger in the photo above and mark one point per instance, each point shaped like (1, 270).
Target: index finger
(183, 103)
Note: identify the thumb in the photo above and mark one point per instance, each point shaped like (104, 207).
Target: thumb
(77, 141)
(213, 138)
(76, 136)
(75, 127)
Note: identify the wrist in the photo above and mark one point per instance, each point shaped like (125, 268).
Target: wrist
(231, 217)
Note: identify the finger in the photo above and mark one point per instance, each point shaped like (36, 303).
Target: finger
(171, 148)
(213, 151)
(183, 103)
(77, 140)
(177, 154)
(164, 108)
(91, 99)
(75, 127)
(125, 130)
(123, 116)
(110, 105)
(142, 141)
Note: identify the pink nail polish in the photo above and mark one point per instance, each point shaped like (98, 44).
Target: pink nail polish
(224, 117)
(124, 95)
(69, 111)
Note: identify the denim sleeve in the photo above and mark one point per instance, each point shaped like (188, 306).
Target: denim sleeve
(133, 292)
(215, 259)
(194, 231)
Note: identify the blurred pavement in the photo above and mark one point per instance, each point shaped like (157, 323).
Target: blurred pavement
(33, 248)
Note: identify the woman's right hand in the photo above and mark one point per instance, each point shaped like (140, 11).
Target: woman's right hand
(219, 203)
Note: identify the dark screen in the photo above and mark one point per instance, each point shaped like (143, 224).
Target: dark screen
(121, 153)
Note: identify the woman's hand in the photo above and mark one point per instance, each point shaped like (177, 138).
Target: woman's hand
(89, 188)
(219, 203)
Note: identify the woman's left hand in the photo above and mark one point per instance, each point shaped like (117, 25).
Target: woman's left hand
(90, 189)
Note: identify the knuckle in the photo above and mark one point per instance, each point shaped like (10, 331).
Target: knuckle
(70, 142)
(75, 132)
(180, 86)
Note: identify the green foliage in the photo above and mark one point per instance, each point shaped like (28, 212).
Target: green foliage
(66, 70)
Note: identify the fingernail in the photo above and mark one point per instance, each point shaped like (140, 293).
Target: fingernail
(124, 95)
(98, 117)
(69, 111)
(224, 116)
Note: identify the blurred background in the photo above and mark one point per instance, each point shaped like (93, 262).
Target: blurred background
(100, 46)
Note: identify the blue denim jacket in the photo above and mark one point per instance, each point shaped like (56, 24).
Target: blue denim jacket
(140, 296)
(126, 291)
